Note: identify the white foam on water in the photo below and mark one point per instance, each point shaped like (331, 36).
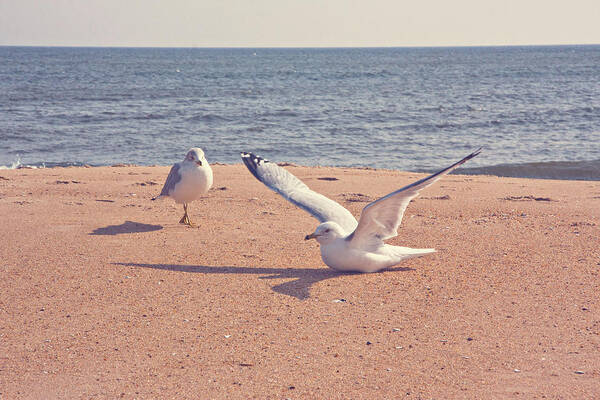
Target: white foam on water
(18, 165)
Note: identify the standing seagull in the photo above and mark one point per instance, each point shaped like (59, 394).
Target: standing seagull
(187, 181)
(348, 245)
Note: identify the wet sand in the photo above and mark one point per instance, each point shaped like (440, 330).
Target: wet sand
(104, 295)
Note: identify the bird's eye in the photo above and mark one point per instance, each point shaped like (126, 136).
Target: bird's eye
(327, 230)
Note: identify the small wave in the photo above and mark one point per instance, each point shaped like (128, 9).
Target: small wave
(284, 112)
(18, 165)
(207, 118)
(365, 74)
(437, 108)
(312, 121)
(564, 170)
(256, 128)
(475, 108)
(150, 116)
(15, 165)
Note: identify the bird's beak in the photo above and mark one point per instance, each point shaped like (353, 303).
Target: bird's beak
(311, 236)
(199, 162)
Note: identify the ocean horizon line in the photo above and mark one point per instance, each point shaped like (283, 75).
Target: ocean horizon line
(466, 46)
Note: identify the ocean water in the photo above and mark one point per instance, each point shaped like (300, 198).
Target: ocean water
(535, 110)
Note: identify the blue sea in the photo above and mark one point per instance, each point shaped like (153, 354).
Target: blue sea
(535, 110)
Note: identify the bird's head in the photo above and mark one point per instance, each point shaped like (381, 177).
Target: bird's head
(196, 155)
(327, 232)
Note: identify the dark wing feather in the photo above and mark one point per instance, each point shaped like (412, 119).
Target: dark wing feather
(294, 190)
(173, 179)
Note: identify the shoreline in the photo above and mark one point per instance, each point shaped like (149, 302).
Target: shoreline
(587, 170)
(106, 295)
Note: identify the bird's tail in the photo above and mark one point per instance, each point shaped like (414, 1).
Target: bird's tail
(407, 252)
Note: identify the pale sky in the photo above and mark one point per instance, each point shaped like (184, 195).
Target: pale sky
(300, 23)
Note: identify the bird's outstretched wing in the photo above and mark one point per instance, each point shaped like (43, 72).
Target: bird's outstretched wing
(172, 180)
(380, 219)
(294, 190)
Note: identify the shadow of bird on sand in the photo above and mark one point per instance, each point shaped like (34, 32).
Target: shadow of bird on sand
(298, 287)
(126, 227)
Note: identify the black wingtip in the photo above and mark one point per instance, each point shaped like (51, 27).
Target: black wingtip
(472, 155)
(253, 158)
(252, 162)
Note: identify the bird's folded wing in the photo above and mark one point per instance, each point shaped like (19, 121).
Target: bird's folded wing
(294, 190)
(380, 219)
(172, 180)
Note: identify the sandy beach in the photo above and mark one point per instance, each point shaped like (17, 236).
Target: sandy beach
(105, 295)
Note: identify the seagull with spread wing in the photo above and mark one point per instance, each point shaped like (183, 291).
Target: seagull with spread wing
(348, 245)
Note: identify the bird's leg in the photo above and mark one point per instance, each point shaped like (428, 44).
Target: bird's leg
(189, 220)
(186, 218)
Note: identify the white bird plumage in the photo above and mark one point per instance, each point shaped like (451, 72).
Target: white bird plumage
(347, 244)
(187, 181)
